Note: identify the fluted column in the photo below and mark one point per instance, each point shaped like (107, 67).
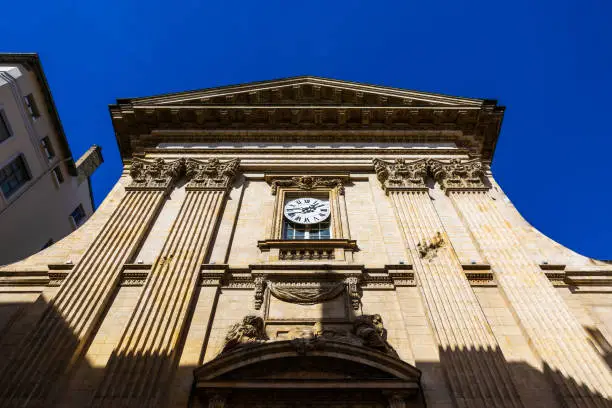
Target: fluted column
(469, 352)
(581, 377)
(142, 363)
(73, 314)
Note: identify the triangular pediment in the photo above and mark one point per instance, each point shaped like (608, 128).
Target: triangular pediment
(306, 109)
(306, 91)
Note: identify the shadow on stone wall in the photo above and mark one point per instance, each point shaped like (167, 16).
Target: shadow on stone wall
(75, 385)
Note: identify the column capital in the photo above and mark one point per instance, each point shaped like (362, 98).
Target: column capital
(401, 175)
(210, 175)
(154, 175)
(456, 175)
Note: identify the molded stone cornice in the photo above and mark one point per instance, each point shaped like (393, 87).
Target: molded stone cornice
(456, 175)
(401, 175)
(308, 183)
(155, 175)
(210, 175)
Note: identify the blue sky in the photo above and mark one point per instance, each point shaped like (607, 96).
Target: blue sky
(548, 62)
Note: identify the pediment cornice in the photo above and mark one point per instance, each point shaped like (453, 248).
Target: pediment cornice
(306, 104)
(306, 90)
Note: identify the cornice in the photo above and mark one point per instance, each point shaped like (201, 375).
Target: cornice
(306, 103)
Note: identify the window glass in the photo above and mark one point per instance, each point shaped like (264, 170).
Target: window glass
(13, 176)
(78, 215)
(31, 105)
(58, 174)
(47, 147)
(5, 130)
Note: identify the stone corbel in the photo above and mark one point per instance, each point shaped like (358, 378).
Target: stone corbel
(456, 175)
(401, 175)
(260, 287)
(210, 175)
(155, 175)
(354, 292)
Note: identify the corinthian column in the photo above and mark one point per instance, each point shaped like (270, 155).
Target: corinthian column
(73, 314)
(469, 353)
(581, 376)
(143, 361)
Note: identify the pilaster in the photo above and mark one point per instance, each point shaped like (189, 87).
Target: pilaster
(581, 377)
(149, 348)
(469, 352)
(71, 317)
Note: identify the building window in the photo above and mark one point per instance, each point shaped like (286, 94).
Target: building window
(306, 217)
(13, 176)
(78, 216)
(47, 147)
(313, 231)
(31, 105)
(48, 244)
(57, 173)
(5, 129)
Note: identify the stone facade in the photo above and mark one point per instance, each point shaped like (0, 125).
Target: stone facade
(184, 290)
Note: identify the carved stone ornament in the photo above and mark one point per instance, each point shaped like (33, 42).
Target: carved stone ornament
(456, 175)
(401, 175)
(306, 295)
(354, 292)
(210, 175)
(429, 249)
(308, 183)
(155, 175)
(260, 285)
(367, 331)
(249, 331)
(371, 330)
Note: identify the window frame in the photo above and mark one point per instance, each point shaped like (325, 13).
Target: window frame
(77, 223)
(26, 169)
(31, 106)
(7, 126)
(307, 227)
(46, 146)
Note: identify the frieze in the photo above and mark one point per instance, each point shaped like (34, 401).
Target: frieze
(401, 175)
(154, 175)
(308, 183)
(210, 175)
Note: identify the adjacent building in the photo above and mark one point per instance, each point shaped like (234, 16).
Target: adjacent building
(306, 242)
(44, 195)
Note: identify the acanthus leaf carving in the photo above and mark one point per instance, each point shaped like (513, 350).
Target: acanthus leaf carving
(458, 175)
(308, 183)
(401, 175)
(155, 175)
(211, 175)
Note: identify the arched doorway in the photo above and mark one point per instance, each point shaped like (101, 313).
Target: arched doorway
(307, 373)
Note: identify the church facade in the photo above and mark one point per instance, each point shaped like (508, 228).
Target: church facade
(306, 242)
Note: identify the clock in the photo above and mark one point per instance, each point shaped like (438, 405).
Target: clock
(307, 210)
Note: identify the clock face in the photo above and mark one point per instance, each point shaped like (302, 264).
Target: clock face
(307, 210)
